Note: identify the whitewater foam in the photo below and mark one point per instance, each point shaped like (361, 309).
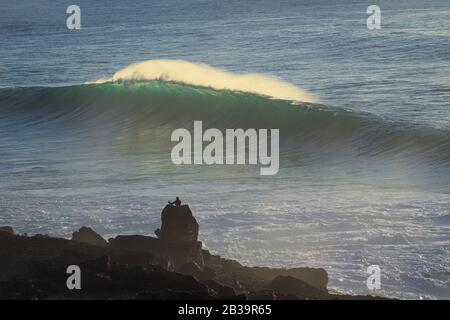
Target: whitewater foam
(206, 76)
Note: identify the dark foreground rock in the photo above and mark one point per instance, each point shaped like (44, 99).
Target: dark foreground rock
(177, 225)
(6, 231)
(288, 285)
(87, 235)
(173, 266)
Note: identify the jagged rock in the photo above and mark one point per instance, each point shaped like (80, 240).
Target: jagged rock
(177, 238)
(292, 286)
(87, 235)
(6, 231)
(178, 225)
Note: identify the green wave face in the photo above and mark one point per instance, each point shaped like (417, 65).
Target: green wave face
(144, 113)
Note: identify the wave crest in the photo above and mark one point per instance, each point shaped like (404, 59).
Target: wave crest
(206, 76)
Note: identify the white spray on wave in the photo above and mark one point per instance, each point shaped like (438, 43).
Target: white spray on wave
(205, 76)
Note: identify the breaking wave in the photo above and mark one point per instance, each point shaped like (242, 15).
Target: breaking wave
(146, 110)
(206, 76)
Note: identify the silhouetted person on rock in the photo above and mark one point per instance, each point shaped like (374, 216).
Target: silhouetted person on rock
(177, 202)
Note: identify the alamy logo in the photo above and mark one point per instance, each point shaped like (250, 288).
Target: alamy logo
(374, 20)
(74, 280)
(238, 145)
(374, 280)
(73, 22)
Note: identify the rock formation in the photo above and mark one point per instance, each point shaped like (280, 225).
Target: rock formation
(177, 225)
(172, 266)
(6, 231)
(176, 247)
(289, 285)
(87, 235)
(178, 237)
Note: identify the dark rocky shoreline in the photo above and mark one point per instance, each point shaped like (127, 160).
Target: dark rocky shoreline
(171, 266)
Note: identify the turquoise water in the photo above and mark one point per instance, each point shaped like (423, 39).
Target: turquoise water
(364, 174)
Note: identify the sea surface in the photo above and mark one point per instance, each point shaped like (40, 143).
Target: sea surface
(364, 173)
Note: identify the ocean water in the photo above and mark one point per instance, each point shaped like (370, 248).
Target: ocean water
(364, 173)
